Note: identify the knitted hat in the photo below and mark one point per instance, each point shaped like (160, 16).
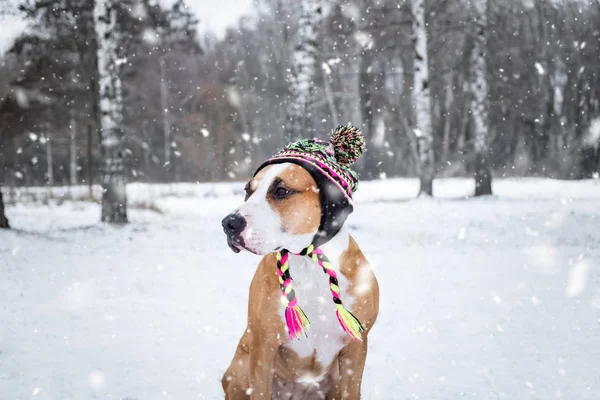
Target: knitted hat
(329, 164)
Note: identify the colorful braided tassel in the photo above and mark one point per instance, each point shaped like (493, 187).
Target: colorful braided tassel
(350, 324)
(296, 320)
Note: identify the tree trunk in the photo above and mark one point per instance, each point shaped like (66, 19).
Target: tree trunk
(590, 162)
(326, 72)
(90, 161)
(483, 178)
(3, 220)
(304, 63)
(366, 164)
(329, 96)
(448, 100)
(351, 80)
(88, 50)
(164, 103)
(49, 160)
(147, 150)
(479, 101)
(114, 195)
(558, 80)
(73, 152)
(421, 100)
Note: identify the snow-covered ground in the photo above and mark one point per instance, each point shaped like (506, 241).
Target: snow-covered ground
(495, 298)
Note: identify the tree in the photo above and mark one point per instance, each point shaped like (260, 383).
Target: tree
(49, 73)
(178, 33)
(543, 83)
(114, 193)
(304, 69)
(479, 100)
(3, 219)
(421, 100)
(79, 65)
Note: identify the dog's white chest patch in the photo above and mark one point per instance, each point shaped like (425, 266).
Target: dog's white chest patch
(325, 337)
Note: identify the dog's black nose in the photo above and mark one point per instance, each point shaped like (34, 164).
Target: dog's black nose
(233, 224)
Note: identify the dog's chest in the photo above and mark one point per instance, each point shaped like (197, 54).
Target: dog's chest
(325, 338)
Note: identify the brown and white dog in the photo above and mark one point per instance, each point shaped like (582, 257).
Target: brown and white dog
(283, 210)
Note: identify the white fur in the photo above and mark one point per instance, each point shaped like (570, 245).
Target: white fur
(264, 231)
(311, 284)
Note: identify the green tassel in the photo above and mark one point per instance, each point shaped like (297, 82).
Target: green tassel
(350, 324)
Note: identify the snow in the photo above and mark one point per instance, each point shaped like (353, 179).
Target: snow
(351, 11)
(540, 69)
(592, 137)
(364, 39)
(491, 298)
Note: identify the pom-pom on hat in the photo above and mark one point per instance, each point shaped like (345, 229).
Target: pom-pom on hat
(329, 163)
(348, 144)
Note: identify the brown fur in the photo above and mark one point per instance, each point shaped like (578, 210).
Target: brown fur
(301, 211)
(291, 367)
(261, 368)
(259, 360)
(351, 360)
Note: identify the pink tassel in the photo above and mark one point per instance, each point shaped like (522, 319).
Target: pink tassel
(296, 320)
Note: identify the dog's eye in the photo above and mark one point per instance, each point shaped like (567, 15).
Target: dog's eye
(281, 192)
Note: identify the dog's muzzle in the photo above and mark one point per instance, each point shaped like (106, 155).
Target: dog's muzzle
(233, 226)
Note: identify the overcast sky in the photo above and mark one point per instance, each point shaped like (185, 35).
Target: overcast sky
(214, 15)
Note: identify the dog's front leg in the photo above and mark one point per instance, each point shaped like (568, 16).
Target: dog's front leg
(262, 369)
(351, 364)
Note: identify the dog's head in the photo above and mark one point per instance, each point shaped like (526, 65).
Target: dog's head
(282, 210)
(300, 196)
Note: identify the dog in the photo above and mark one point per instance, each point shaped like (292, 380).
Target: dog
(285, 208)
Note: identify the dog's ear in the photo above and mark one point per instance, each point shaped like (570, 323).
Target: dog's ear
(335, 209)
(248, 189)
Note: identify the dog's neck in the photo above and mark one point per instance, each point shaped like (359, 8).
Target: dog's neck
(304, 270)
(333, 248)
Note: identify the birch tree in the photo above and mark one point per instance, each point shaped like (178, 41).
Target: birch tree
(421, 100)
(114, 197)
(479, 100)
(304, 64)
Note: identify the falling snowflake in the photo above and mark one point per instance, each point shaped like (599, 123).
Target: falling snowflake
(540, 69)
(592, 137)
